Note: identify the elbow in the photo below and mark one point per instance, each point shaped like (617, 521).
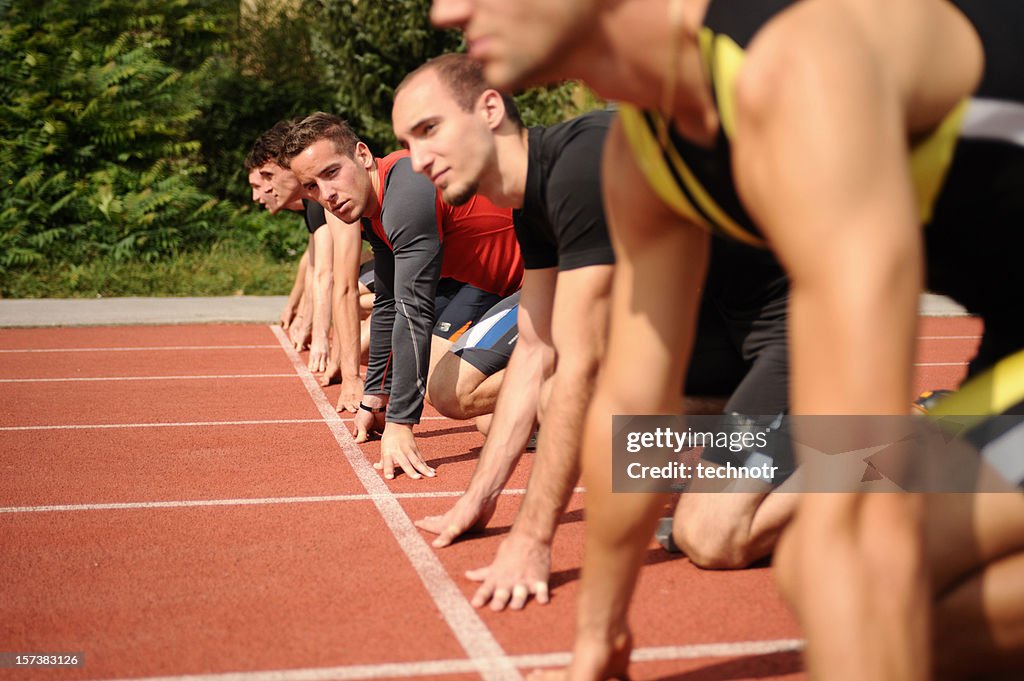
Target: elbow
(345, 288)
(577, 370)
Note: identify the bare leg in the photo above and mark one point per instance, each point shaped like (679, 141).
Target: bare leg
(730, 530)
(459, 390)
(976, 551)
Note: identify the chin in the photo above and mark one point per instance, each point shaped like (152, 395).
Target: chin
(459, 196)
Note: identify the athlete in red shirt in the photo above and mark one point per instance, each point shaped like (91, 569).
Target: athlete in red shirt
(436, 266)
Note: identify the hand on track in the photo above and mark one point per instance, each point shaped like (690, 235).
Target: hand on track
(467, 515)
(520, 569)
(398, 450)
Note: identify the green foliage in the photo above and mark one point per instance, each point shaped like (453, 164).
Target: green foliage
(266, 74)
(365, 49)
(94, 150)
(124, 123)
(223, 270)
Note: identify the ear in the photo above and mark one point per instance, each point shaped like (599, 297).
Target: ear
(491, 106)
(363, 156)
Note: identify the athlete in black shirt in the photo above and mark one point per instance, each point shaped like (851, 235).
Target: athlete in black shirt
(468, 138)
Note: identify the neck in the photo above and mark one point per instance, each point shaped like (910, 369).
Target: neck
(628, 60)
(506, 185)
(373, 202)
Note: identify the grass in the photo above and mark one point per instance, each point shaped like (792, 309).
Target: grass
(225, 270)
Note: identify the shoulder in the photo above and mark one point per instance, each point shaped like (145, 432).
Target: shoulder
(576, 133)
(572, 156)
(402, 183)
(408, 196)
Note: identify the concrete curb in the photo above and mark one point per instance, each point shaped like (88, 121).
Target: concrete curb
(124, 311)
(227, 309)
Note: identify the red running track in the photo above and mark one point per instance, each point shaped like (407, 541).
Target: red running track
(182, 501)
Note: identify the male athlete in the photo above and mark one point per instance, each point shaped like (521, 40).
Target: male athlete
(417, 240)
(332, 270)
(470, 140)
(313, 323)
(831, 131)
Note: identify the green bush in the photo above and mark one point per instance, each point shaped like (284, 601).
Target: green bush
(94, 148)
(124, 123)
(365, 49)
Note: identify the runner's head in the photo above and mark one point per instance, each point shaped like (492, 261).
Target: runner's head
(449, 118)
(519, 43)
(277, 186)
(332, 165)
(261, 191)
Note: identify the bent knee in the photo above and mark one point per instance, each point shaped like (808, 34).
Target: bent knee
(445, 398)
(447, 393)
(715, 530)
(713, 548)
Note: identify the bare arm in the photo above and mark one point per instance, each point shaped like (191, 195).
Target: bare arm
(321, 258)
(579, 329)
(514, 414)
(660, 267)
(295, 295)
(300, 330)
(347, 241)
(821, 161)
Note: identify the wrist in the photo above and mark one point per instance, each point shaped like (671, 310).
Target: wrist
(541, 534)
(373, 410)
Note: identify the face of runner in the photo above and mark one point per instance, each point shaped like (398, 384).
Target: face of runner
(339, 182)
(451, 146)
(522, 42)
(260, 189)
(284, 187)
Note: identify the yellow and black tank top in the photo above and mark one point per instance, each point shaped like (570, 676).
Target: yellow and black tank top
(696, 182)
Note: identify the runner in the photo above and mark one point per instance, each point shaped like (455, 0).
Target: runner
(806, 150)
(470, 139)
(407, 223)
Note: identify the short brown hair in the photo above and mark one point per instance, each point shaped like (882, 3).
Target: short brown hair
(268, 145)
(316, 127)
(464, 78)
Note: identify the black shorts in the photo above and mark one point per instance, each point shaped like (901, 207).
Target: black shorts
(457, 306)
(742, 354)
(366, 275)
(489, 344)
(741, 348)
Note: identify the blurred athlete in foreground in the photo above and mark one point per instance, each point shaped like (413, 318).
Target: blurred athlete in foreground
(831, 131)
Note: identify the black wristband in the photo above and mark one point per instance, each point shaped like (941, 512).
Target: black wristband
(372, 410)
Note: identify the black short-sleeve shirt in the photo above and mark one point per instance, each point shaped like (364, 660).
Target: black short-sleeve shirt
(562, 220)
(314, 215)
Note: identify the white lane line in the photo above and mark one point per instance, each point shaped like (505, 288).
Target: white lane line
(949, 338)
(144, 378)
(199, 503)
(174, 348)
(485, 653)
(461, 666)
(193, 424)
